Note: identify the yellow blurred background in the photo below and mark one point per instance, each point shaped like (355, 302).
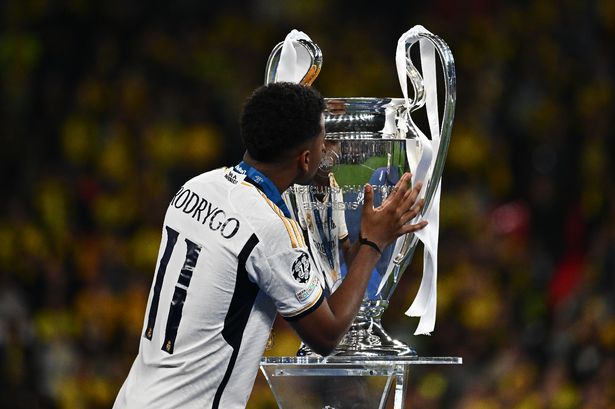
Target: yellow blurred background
(108, 107)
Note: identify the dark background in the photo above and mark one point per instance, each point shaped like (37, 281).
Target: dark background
(106, 108)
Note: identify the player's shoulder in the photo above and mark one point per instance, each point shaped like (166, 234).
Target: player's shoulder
(214, 175)
(219, 181)
(277, 231)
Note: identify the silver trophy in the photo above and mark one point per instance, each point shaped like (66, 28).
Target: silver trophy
(369, 140)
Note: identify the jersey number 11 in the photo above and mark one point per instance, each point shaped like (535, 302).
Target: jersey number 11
(179, 295)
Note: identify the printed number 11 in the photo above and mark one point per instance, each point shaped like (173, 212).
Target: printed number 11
(179, 296)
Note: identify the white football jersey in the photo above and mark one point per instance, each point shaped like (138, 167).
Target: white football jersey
(228, 260)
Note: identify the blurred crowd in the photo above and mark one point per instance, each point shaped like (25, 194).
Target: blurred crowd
(106, 108)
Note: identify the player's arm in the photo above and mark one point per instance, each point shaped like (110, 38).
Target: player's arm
(349, 249)
(323, 328)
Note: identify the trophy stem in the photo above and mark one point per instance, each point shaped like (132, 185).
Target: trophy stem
(367, 337)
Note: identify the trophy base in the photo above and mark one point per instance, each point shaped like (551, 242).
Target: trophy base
(368, 338)
(365, 338)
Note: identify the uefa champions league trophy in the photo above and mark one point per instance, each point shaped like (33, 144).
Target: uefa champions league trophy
(374, 140)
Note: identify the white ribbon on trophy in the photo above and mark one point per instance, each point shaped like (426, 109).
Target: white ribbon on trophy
(295, 61)
(424, 305)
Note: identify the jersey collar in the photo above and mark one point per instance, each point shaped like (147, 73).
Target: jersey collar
(265, 184)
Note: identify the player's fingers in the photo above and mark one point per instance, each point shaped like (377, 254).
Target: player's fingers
(368, 191)
(399, 190)
(413, 211)
(410, 197)
(411, 228)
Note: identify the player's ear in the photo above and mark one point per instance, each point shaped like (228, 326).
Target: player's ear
(303, 162)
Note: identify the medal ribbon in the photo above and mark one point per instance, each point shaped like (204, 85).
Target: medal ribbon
(326, 238)
(263, 183)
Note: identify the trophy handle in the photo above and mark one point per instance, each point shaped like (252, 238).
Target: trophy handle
(450, 92)
(417, 84)
(312, 50)
(407, 244)
(366, 335)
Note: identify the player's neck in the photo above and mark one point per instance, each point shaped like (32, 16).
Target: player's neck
(280, 174)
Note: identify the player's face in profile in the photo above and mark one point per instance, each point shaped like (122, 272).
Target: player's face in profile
(317, 150)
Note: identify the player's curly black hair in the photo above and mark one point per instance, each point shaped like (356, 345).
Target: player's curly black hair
(279, 117)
